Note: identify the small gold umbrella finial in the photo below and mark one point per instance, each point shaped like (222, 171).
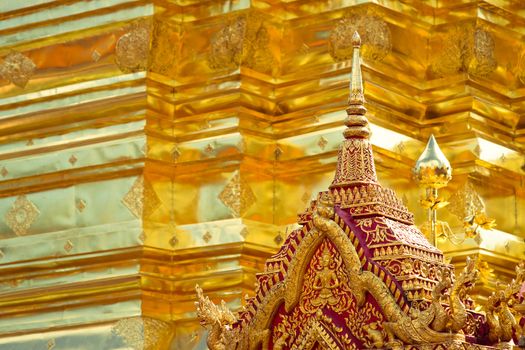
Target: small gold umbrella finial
(433, 169)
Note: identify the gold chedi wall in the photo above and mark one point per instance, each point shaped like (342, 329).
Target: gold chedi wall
(146, 146)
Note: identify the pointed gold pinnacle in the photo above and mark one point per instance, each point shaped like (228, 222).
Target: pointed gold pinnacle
(356, 122)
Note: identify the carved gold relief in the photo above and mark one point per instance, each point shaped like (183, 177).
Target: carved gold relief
(355, 164)
(17, 68)
(256, 52)
(21, 215)
(226, 45)
(245, 40)
(366, 325)
(237, 195)
(133, 47)
(465, 202)
(373, 30)
(218, 320)
(468, 49)
(327, 284)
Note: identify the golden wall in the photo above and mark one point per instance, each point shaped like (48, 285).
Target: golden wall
(146, 146)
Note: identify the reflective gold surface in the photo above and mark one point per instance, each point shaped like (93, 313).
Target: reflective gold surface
(219, 137)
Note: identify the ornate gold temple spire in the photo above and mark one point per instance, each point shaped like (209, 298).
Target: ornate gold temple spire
(355, 162)
(356, 121)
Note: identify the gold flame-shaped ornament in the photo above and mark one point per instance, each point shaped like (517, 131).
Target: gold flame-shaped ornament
(433, 169)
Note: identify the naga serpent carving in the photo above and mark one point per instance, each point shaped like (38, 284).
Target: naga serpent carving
(500, 319)
(441, 317)
(217, 319)
(500, 313)
(459, 292)
(456, 318)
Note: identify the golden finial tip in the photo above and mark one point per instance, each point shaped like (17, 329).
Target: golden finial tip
(356, 39)
(433, 168)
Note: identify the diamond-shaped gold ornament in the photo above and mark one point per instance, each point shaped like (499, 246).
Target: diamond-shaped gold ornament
(207, 236)
(80, 205)
(68, 246)
(95, 56)
(72, 160)
(174, 241)
(244, 232)
(277, 152)
(322, 143)
(306, 197)
(175, 153)
(21, 215)
(237, 195)
(141, 199)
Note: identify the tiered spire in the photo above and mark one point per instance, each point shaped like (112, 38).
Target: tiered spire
(356, 121)
(355, 163)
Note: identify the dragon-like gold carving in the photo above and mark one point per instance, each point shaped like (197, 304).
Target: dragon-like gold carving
(501, 309)
(218, 319)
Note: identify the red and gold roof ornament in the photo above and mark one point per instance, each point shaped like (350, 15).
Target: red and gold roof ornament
(358, 274)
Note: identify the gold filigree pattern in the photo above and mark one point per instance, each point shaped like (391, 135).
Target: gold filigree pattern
(244, 40)
(355, 163)
(226, 45)
(17, 68)
(364, 327)
(132, 48)
(374, 31)
(371, 198)
(468, 49)
(21, 215)
(256, 52)
(465, 202)
(141, 199)
(237, 195)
